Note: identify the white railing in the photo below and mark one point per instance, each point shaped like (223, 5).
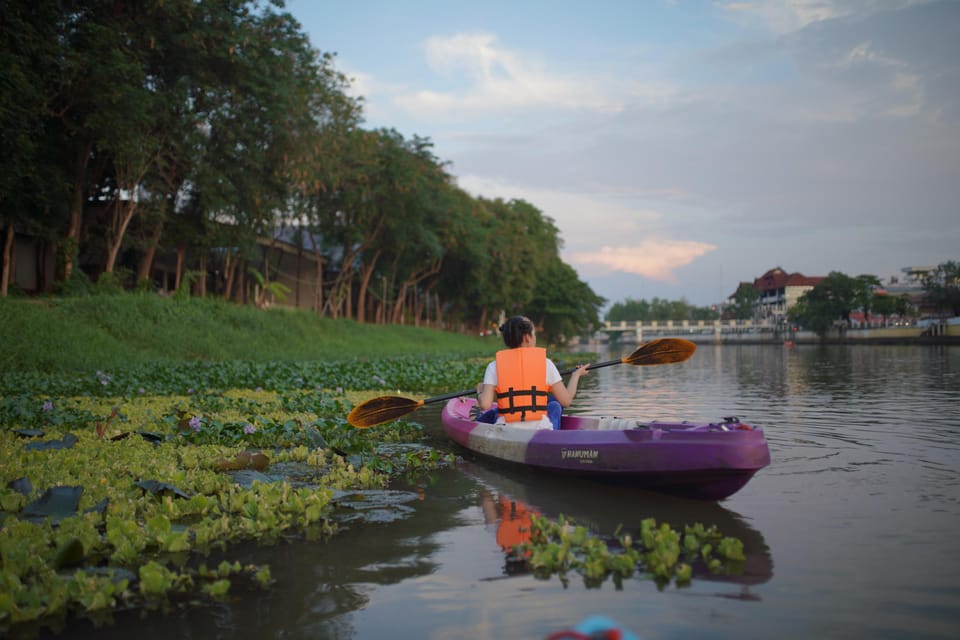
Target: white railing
(679, 327)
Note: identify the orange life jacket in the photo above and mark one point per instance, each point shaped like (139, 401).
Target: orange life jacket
(515, 523)
(522, 389)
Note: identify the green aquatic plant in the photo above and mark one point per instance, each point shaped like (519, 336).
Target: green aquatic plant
(157, 496)
(558, 547)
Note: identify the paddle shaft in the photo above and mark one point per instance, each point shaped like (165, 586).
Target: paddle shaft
(459, 394)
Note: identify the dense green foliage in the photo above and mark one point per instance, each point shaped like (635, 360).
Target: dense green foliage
(943, 288)
(831, 302)
(126, 331)
(631, 310)
(742, 305)
(231, 128)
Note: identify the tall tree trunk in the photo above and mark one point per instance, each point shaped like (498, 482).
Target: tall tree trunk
(229, 273)
(399, 304)
(202, 278)
(365, 275)
(71, 244)
(318, 285)
(7, 260)
(339, 300)
(146, 263)
(122, 215)
(412, 280)
(296, 294)
(181, 257)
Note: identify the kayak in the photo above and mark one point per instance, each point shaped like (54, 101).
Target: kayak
(708, 461)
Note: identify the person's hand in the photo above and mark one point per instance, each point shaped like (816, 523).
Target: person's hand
(581, 370)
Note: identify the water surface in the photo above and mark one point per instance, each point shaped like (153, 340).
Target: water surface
(851, 532)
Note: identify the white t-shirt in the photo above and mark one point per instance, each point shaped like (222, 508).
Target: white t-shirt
(553, 374)
(553, 377)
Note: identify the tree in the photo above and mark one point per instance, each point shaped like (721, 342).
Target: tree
(744, 301)
(29, 167)
(886, 305)
(864, 287)
(942, 287)
(829, 303)
(563, 306)
(658, 309)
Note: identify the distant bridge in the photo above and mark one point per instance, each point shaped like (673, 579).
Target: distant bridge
(696, 330)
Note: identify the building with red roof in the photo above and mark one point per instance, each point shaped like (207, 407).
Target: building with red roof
(778, 291)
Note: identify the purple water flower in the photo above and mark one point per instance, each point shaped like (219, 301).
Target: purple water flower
(48, 406)
(249, 428)
(195, 423)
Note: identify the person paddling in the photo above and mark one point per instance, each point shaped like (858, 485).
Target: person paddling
(521, 380)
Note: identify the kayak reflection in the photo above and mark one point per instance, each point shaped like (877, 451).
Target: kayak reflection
(509, 497)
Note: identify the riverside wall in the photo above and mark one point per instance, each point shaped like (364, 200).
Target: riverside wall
(746, 332)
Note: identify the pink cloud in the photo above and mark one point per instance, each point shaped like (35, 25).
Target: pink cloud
(654, 258)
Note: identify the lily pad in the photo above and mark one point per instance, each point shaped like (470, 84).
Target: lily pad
(149, 436)
(246, 477)
(21, 486)
(56, 503)
(100, 507)
(162, 488)
(66, 442)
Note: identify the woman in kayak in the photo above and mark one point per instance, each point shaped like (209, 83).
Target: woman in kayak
(524, 382)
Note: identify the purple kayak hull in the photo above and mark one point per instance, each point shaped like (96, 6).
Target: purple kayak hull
(708, 461)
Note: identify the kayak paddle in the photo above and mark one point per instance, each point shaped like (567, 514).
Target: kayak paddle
(386, 408)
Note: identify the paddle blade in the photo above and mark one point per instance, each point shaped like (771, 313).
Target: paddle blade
(382, 409)
(662, 351)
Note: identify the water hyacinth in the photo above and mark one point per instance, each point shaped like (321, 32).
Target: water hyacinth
(193, 452)
(48, 406)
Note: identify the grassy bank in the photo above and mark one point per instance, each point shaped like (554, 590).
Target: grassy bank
(63, 335)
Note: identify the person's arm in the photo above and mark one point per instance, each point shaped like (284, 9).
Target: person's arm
(486, 390)
(566, 394)
(486, 395)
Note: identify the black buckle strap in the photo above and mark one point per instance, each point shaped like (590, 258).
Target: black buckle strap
(512, 407)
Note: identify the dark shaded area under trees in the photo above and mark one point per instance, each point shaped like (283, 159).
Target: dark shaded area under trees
(204, 128)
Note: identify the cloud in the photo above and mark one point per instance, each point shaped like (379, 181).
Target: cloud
(490, 78)
(784, 16)
(587, 218)
(654, 258)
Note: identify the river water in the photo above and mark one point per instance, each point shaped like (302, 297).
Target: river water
(853, 531)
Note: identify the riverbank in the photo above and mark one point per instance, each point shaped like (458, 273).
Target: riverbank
(66, 335)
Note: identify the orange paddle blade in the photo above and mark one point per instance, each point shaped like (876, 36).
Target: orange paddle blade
(382, 409)
(662, 351)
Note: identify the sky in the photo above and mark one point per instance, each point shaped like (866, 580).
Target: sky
(681, 147)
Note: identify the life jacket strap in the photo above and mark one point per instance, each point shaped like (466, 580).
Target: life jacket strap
(511, 406)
